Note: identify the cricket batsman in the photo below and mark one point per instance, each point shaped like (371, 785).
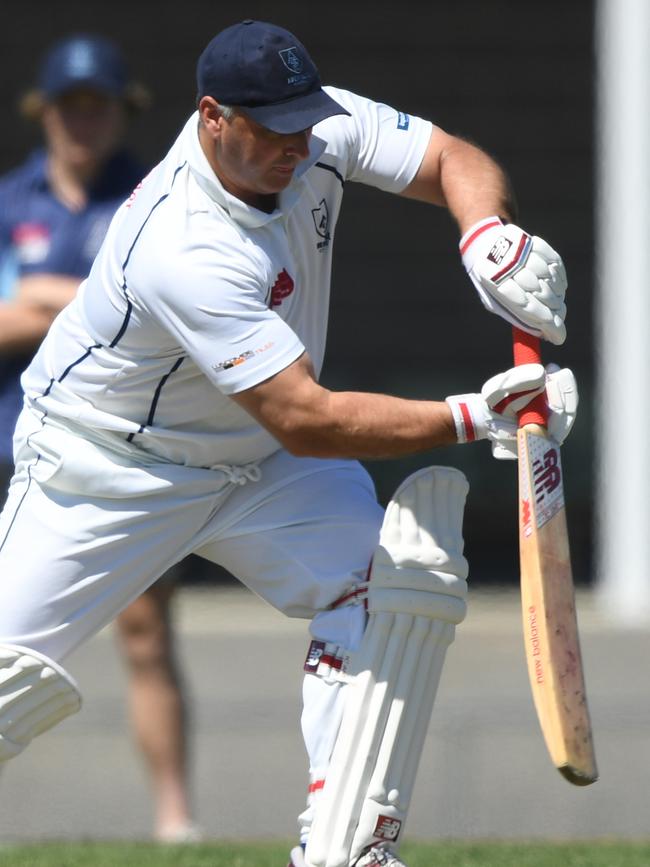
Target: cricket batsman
(175, 408)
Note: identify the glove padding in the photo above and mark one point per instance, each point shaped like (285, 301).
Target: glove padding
(518, 276)
(492, 414)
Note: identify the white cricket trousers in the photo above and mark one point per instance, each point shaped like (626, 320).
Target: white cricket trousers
(85, 530)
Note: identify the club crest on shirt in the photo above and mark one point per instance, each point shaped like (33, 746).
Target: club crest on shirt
(321, 217)
(31, 242)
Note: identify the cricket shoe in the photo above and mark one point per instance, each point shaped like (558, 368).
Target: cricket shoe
(188, 832)
(378, 856)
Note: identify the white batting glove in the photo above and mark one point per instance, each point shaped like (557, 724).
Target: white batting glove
(518, 276)
(492, 414)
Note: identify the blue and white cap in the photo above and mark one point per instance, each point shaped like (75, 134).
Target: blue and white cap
(83, 61)
(266, 71)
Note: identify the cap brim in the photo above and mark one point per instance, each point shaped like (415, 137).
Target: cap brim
(95, 83)
(296, 114)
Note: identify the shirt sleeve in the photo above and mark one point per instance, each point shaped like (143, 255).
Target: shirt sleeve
(216, 308)
(380, 146)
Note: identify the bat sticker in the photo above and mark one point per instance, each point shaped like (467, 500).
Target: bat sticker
(541, 475)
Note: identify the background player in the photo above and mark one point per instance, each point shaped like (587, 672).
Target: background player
(54, 212)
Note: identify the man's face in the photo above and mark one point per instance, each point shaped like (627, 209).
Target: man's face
(252, 162)
(84, 127)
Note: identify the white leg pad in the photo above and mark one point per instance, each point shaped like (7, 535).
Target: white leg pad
(417, 595)
(35, 694)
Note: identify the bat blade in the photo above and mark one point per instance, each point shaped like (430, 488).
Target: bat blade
(548, 607)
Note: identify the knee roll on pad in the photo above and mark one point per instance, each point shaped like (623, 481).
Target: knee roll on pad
(35, 694)
(417, 595)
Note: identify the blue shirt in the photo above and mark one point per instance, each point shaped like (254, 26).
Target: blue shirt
(39, 234)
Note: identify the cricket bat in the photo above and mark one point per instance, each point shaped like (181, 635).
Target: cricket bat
(547, 594)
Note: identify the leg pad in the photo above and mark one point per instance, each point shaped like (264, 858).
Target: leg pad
(416, 597)
(35, 694)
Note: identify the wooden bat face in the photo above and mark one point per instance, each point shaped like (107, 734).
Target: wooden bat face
(548, 607)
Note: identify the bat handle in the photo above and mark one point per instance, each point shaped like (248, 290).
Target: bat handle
(526, 350)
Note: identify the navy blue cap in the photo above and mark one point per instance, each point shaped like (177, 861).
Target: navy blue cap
(83, 61)
(266, 71)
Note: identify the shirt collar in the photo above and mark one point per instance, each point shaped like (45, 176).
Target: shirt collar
(245, 215)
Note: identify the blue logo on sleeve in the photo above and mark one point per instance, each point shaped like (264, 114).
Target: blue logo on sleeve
(402, 120)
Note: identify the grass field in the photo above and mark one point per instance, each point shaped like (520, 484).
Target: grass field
(609, 854)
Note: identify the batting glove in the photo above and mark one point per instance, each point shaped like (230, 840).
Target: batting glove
(492, 414)
(518, 276)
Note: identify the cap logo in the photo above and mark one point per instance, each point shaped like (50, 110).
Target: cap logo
(81, 60)
(291, 59)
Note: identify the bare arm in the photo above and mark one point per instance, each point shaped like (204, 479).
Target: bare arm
(461, 177)
(25, 319)
(311, 421)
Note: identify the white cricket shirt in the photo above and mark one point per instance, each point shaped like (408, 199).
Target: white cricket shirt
(195, 295)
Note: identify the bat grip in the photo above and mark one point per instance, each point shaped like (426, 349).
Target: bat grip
(526, 350)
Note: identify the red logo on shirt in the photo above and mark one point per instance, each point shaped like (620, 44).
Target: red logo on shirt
(32, 242)
(282, 288)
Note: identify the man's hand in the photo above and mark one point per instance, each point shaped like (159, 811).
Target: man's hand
(492, 414)
(518, 276)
